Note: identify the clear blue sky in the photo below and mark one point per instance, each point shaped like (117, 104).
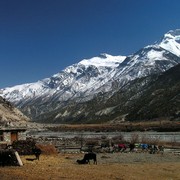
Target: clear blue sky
(39, 38)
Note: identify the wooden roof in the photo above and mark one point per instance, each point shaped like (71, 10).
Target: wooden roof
(9, 129)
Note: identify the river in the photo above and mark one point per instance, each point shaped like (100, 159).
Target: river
(160, 136)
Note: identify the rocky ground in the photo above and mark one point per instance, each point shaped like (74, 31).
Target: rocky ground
(117, 166)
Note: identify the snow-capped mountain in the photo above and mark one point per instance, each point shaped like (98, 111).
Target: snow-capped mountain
(155, 58)
(149, 60)
(81, 81)
(71, 82)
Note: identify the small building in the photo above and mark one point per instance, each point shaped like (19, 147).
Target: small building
(10, 134)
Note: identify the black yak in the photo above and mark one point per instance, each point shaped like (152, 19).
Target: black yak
(87, 158)
(37, 152)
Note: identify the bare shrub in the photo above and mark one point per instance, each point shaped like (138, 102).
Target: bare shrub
(155, 140)
(145, 139)
(47, 149)
(173, 141)
(134, 138)
(92, 142)
(118, 139)
(105, 143)
(79, 140)
(103, 137)
(150, 140)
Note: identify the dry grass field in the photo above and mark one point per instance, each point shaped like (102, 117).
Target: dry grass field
(117, 166)
(111, 166)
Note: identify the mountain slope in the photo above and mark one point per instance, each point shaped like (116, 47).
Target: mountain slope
(84, 81)
(161, 99)
(10, 114)
(147, 98)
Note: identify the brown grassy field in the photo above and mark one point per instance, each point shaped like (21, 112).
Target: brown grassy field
(117, 166)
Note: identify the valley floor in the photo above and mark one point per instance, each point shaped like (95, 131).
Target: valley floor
(110, 166)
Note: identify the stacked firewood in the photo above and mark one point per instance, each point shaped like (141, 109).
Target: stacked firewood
(24, 147)
(7, 157)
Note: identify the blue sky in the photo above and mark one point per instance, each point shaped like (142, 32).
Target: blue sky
(39, 38)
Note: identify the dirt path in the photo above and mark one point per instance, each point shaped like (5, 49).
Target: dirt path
(116, 166)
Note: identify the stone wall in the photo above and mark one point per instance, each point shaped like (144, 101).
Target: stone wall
(21, 135)
(7, 137)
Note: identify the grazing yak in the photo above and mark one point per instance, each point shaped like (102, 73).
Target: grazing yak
(87, 158)
(37, 152)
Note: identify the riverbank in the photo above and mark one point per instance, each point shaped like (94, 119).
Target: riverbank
(62, 132)
(159, 126)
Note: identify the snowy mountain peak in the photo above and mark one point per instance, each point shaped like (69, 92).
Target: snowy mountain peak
(103, 60)
(172, 35)
(104, 55)
(174, 32)
(171, 42)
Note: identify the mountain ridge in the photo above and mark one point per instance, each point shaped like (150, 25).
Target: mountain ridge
(82, 81)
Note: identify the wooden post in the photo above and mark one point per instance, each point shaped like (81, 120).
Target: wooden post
(18, 158)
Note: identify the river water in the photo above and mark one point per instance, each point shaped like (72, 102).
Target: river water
(161, 136)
